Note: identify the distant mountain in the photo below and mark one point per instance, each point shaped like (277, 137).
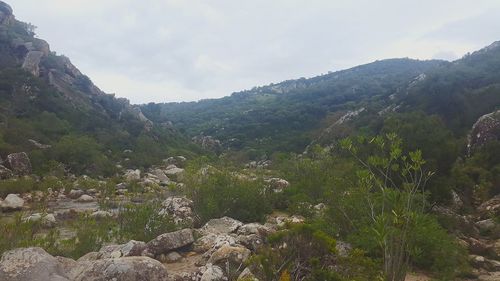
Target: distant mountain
(46, 100)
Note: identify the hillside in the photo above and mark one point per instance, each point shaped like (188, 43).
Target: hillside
(56, 114)
(283, 116)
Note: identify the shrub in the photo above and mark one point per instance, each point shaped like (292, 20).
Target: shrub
(17, 185)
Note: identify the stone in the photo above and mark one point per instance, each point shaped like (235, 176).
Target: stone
(174, 172)
(5, 173)
(180, 209)
(85, 199)
(172, 257)
(75, 193)
(12, 203)
(247, 275)
(101, 214)
(213, 273)
(119, 269)
(486, 225)
(19, 163)
(132, 175)
(223, 225)
(212, 242)
(277, 185)
(160, 175)
(490, 208)
(32, 61)
(208, 143)
(46, 220)
(486, 129)
(170, 241)
(254, 228)
(234, 254)
(26, 264)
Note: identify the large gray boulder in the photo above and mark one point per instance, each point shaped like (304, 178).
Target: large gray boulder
(486, 129)
(5, 173)
(32, 62)
(12, 203)
(119, 269)
(170, 241)
(19, 163)
(27, 264)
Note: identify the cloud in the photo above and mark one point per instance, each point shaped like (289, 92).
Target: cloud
(176, 50)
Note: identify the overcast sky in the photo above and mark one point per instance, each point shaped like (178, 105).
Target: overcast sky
(185, 50)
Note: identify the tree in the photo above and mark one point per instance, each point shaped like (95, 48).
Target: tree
(391, 185)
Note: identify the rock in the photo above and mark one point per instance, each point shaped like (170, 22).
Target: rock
(277, 185)
(223, 225)
(484, 263)
(252, 241)
(170, 241)
(32, 61)
(101, 214)
(247, 275)
(12, 203)
(254, 228)
(174, 172)
(171, 257)
(496, 249)
(85, 198)
(26, 264)
(490, 208)
(177, 160)
(132, 175)
(129, 249)
(75, 193)
(486, 129)
(234, 254)
(179, 208)
(39, 145)
(6, 16)
(47, 220)
(343, 248)
(208, 143)
(486, 225)
(19, 163)
(5, 173)
(211, 242)
(490, 276)
(160, 175)
(213, 273)
(119, 269)
(122, 186)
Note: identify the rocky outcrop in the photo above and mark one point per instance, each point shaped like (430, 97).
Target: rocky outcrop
(32, 62)
(132, 175)
(223, 225)
(277, 185)
(19, 163)
(208, 143)
(6, 16)
(174, 172)
(486, 129)
(28, 264)
(12, 203)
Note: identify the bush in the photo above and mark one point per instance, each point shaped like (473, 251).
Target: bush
(17, 185)
(222, 193)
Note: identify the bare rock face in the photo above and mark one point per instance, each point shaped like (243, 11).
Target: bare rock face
(32, 62)
(208, 142)
(122, 269)
(170, 241)
(486, 129)
(26, 264)
(6, 16)
(19, 163)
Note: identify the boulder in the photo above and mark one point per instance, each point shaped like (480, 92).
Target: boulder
(75, 193)
(254, 228)
(26, 264)
(119, 269)
(223, 225)
(47, 220)
(170, 241)
(160, 175)
(19, 163)
(129, 249)
(247, 275)
(486, 129)
(208, 143)
(32, 62)
(101, 214)
(85, 199)
(486, 225)
(484, 263)
(490, 208)
(132, 175)
(174, 172)
(12, 203)
(213, 273)
(5, 173)
(233, 254)
(170, 257)
(179, 208)
(277, 185)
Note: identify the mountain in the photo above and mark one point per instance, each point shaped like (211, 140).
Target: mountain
(56, 114)
(288, 116)
(284, 116)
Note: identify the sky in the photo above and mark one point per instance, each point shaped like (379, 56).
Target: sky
(187, 50)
